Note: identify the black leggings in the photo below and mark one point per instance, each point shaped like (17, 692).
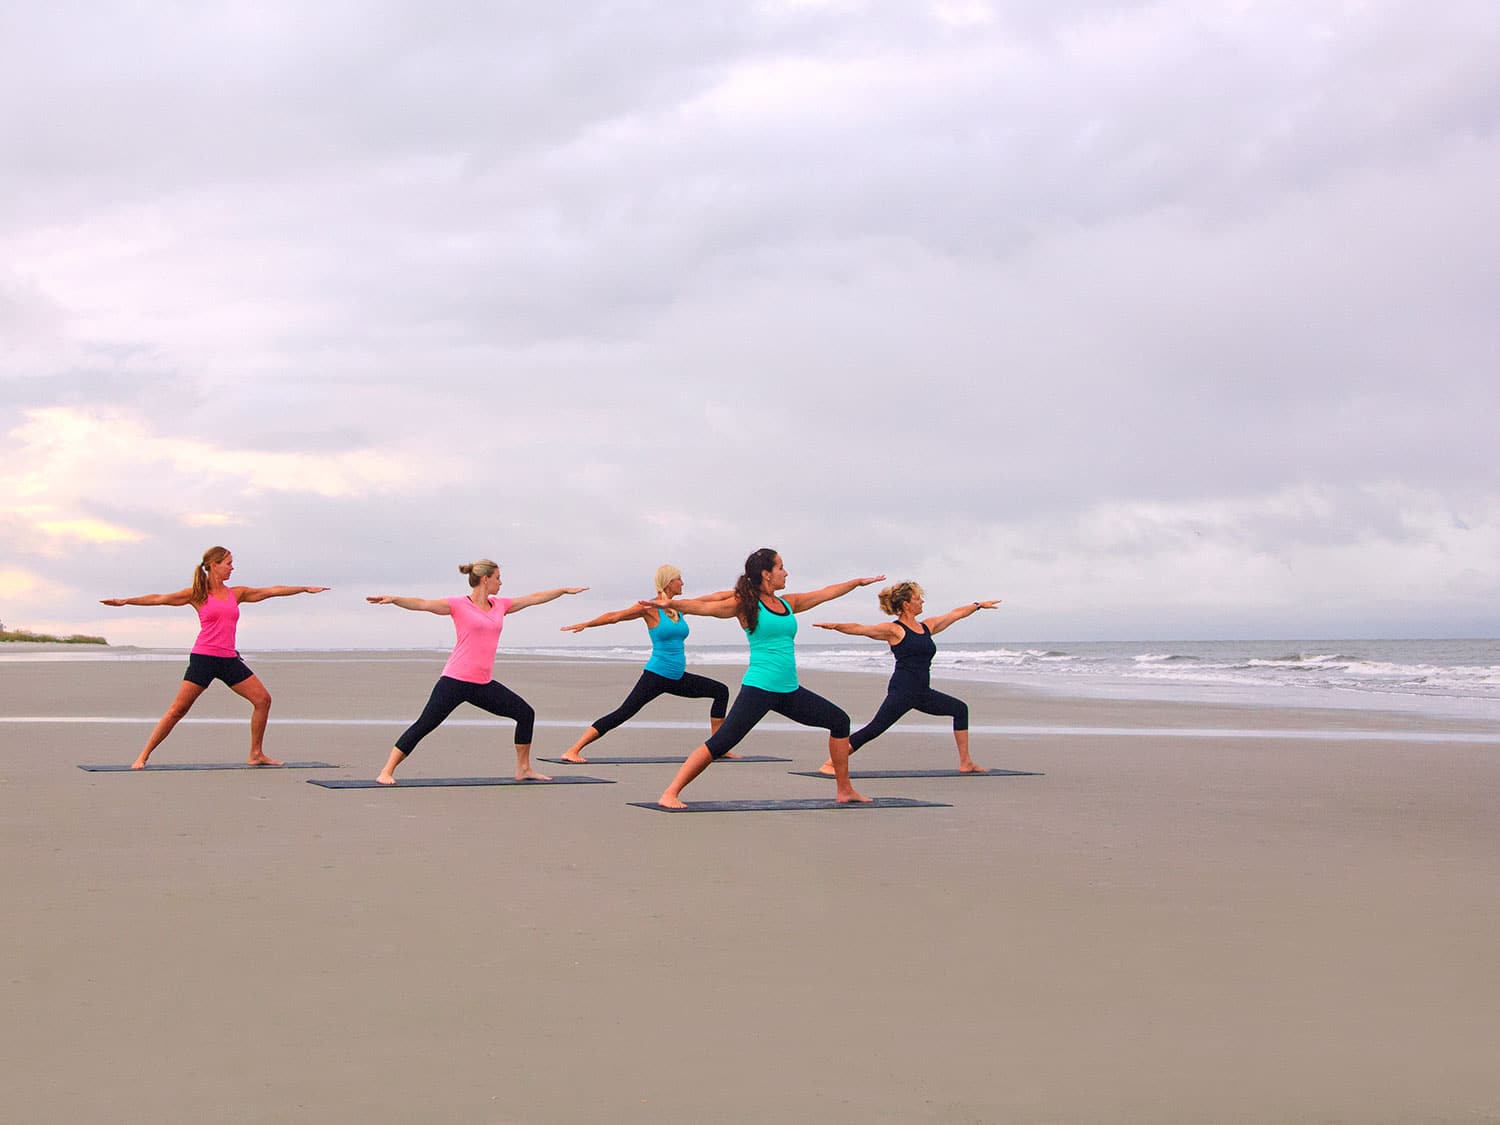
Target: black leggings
(448, 693)
(898, 701)
(651, 685)
(752, 705)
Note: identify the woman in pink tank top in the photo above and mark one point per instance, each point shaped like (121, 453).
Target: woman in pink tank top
(468, 677)
(214, 655)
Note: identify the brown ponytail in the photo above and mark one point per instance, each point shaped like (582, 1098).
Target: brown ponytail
(747, 586)
(200, 576)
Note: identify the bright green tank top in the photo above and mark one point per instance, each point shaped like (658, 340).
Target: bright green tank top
(773, 659)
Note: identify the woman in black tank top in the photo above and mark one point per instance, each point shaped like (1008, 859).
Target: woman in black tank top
(910, 688)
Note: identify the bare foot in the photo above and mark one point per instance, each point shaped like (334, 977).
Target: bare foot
(262, 760)
(667, 802)
(385, 779)
(138, 764)
(971, 767)
(851, 797)
(576, 759)
(826, 768)
(531, 775)
(730, 754)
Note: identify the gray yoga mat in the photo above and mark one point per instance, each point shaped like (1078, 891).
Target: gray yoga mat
(796, 804)
(450, 782)
(873, 774)
(677, 761)
(165, 767)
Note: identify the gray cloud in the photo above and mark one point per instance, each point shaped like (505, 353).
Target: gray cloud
(885, 288)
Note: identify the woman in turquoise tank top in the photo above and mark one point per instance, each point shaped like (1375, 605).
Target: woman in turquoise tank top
(770, 683)
(666, 672)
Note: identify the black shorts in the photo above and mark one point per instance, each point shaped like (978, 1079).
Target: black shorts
(204, 670)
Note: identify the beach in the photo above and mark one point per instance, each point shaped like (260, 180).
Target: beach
(1185, 913)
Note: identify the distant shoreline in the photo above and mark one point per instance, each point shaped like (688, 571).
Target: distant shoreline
(22, 637)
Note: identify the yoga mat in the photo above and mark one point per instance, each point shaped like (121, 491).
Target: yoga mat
(856, 774)
(658, 761)
(797, 804)
(450, 782)
(152, 767)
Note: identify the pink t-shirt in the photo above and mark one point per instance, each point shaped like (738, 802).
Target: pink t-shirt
(218, 618)
(473, 659)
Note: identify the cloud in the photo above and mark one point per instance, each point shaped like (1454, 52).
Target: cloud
(1303, 561)
(68, 466)
(87, 531)
(886, 285)
(17, 584)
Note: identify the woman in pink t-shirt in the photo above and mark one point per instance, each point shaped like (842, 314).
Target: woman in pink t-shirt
(214, 655)
(468, 675)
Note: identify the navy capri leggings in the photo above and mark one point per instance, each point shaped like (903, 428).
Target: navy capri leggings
(899, 701)
(448, 693)
(753, 704)
(651, 685)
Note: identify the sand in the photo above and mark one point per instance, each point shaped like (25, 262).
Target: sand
(1159, 928)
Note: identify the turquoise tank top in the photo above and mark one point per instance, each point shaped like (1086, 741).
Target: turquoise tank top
(773, 657)
(668, 659)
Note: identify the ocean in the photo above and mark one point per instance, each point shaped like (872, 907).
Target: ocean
(1449, 678)
(1445, 678)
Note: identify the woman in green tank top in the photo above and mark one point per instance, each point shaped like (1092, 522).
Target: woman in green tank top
(770, 683)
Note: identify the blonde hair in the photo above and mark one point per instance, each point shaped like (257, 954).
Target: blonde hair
(893, 599)
(211, 557)
(478, 570)
(666, 574)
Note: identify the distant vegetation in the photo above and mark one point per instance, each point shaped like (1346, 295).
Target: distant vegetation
(44, 638)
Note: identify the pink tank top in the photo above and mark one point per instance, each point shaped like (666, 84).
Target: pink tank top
(473, 659)
(218, 618)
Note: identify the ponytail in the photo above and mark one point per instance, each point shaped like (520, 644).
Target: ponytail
(666, 574)
(200, 576)
(747, 586)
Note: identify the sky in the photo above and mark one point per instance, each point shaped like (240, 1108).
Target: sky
(1155, 320)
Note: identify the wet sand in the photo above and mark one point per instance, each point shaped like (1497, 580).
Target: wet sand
(1160, 928)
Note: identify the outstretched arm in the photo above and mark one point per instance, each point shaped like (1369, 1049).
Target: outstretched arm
(714, 605)
(542, 596)
(800, 602)
(181, 597)
(425, 605)
(886, 631)
(614, 618)
(261, 593)
(938, 624)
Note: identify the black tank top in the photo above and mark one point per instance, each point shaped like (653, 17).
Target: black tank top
(913, 653)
